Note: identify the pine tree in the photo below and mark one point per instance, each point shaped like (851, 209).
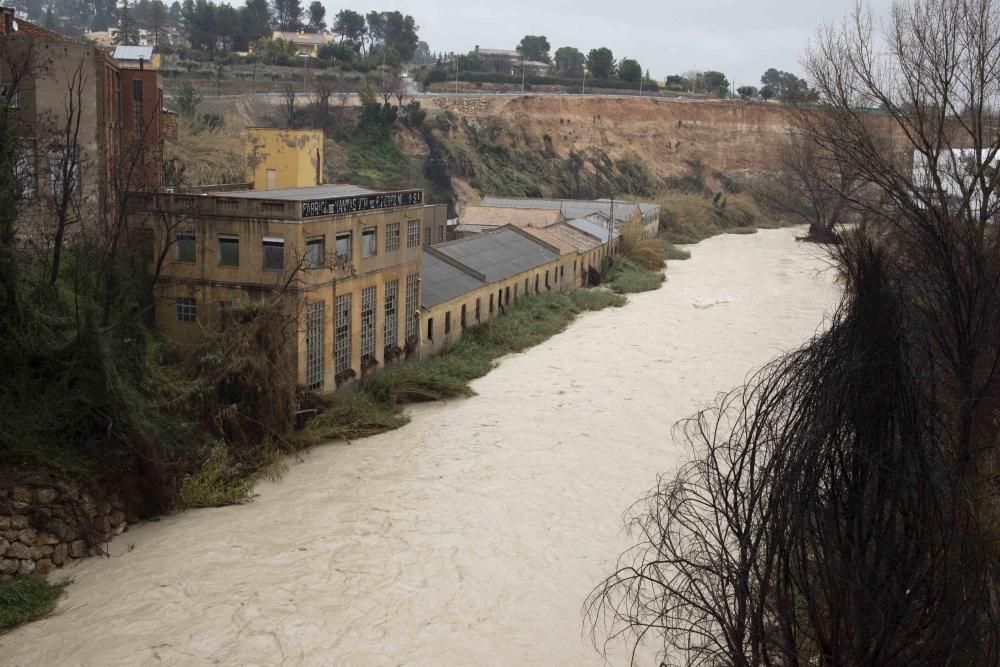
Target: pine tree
(128, 30)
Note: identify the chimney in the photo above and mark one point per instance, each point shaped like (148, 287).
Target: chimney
(477, 49)
(8, 20)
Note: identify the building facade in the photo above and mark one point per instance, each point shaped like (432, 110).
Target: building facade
(280, 158)
(344, 260)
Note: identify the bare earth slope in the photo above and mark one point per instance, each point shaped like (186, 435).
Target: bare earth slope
(469, 537)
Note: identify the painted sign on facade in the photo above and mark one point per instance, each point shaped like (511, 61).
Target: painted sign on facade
(359, 203)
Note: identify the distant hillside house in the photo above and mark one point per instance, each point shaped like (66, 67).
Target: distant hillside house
(307, 43)
(504, 61)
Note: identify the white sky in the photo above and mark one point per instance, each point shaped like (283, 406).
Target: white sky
(739, 37)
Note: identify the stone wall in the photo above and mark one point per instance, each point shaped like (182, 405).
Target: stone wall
(45, 524)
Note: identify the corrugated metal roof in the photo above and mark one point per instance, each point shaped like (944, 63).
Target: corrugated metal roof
(498, 254)
(498, 216)
(123, 52)
(565, 247)
(643, 206)
(582, 242)
(440, 281)
(571, 208)
(592, 229)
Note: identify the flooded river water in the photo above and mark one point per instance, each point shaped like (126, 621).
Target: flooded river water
(473, 535)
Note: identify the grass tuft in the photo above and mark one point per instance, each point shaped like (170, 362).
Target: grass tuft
(627, 276)
(27, 599)
(672, 252)
(217, 483)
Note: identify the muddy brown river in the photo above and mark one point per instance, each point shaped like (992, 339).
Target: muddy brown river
(473, 535)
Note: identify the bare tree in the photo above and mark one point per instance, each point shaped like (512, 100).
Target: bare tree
(288, 98)
(841, 509)
(809, 187)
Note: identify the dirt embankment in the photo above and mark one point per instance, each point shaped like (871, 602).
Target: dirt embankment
(723, 135)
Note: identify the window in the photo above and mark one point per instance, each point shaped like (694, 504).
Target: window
(272, 180)
(25, 173)
(392, 237)
(229, 250)
(185, 247)
(461, 320)
(369, 247)
(64, 170)
(440, 233)
(315, 344)
(546, 280)
(478, 309)
(507, 299)
(427, 235)
(515, 292)
(274, 254)
(412, 233)
(411, 306)
(8, 90)
(187, 310)
(138, 123)
(526, 291)
(342, 334)
(430, 328)
(491, 303)
(447, 323)
(315, 252)
(368, 299)
(146, 243)
(562, 273)
(344, 247)
(391, 322)
(574, 266)
(536, 283)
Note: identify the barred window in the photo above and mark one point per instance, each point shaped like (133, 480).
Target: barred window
(185, 247)
(427, 236)
(342, 334)
(368, 299)
(440, 233)
(411, 306)
(391, 319)
(187, 310)
(314, 344)
(392, 237)
(412, 233)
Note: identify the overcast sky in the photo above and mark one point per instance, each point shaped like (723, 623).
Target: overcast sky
(739, 37)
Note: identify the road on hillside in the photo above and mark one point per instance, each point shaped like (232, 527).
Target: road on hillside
(469, 537)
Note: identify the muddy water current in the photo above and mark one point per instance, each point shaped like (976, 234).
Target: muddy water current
(471, 536)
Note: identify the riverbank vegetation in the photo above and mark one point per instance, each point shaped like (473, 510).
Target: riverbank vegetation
(841, 507)
(379, 405)
(25, 599)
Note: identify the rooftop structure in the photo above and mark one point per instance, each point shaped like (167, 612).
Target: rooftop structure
(499, 254)
(495, 216)
(570, 208)
(558, 241)
(594, 230)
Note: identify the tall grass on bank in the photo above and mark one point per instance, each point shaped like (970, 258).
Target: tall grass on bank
(26, 599)
(688, 217)
(378, 406)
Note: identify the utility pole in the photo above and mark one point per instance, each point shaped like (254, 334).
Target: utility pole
(583, 90)
(522, 74)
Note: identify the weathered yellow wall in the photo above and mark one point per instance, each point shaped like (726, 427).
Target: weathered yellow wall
(296, 156)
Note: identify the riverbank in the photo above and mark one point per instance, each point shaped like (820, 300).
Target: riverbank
(473, 534)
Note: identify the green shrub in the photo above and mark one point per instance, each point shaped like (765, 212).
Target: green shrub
(672, 252)
(219, 482)
(627, 276)
(27, 599)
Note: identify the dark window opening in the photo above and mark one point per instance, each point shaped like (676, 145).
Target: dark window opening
(478, 309)
(315, 252)
(430, 328)
(447, 322)
(229, 250)
(274, 254)
(186, 247)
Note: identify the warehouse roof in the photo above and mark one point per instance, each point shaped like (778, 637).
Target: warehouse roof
(643, 206)
(498, 216)
(498, 254)
(546, 236)
(592, 229)
(582, 242)
(441, 281)
(571, 208)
